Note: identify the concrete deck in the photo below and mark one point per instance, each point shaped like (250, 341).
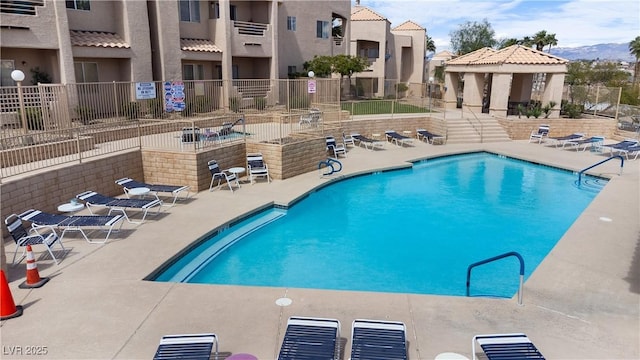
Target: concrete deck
(582, 302)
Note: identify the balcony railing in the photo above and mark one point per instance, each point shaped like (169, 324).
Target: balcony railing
(22, 7)
(250, 28)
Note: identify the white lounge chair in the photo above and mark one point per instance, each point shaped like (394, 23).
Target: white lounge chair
(94, 199)
(175, 190)
(505, 346)
(378, 339)
(78, 223)
(219, 174)
(540, 134)
(257, 167)
(312, 118)
(335, 148)
(187, 346)
(397, 138)
(310, 338)
(45, 235)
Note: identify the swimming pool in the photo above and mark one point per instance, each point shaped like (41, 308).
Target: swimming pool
(414, 230)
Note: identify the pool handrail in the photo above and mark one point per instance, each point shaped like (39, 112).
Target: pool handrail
(599, 163)
(482, 262)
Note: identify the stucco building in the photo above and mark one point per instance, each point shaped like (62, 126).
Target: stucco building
(129, 40)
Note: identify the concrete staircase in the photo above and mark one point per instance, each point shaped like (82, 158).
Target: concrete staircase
(475, 130)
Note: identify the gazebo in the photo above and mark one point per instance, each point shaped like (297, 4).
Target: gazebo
(496, 81)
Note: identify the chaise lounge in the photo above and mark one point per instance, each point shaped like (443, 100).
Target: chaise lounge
(378, 339)
(310, 339)
(128, 184)
(429, 137)
(94, 199)
(368, 143)
(77, 223)
(399, 139)
(187, 346)
(505, 346)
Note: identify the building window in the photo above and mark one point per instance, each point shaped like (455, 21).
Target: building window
(214, 11)
(233, 12)
(6, 67)
(291, 23)
(323, 29)
(291, 70)
(190, 10)
(86, 72)
(235, 72)
(193, 72)
(78, 4)
(369, 53)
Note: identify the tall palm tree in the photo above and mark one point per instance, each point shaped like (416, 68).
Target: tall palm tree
(542, 39)
(429, 44)
(551, 40)
(634, 49)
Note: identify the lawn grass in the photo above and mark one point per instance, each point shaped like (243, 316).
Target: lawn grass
(372, 107)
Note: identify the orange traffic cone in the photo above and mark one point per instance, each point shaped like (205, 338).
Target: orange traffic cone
(33, 277)
(8, 308)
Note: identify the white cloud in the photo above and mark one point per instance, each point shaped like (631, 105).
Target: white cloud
(575, 23)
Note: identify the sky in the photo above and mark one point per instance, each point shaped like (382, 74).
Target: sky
(575, 22)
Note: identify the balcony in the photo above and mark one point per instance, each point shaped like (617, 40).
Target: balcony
(251, 39)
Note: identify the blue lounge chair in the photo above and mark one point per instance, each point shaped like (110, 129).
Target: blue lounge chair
(187, 346)
(622, 145)
(128, 184)
(561, 140)
(24, 237)
(310, 339)
(399, 139)
(334, 148)
(591, 142)
(635, 149)
(429, 137)
(78, 223)
(378, 340)
(93, 199)
(540, 134)
(506, 346)
(368, 143)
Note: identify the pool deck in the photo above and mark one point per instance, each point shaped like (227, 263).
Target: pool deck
(583, 301)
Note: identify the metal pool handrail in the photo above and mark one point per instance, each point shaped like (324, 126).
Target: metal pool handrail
(482, 262)
(598, 163)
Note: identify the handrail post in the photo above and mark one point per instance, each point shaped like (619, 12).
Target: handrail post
(511, 253)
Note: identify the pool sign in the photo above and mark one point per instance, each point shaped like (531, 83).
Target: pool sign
(145, 90)
(173, 96)
(311, 87)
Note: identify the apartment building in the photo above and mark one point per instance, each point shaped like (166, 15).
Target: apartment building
(395, 54)
(78, 41)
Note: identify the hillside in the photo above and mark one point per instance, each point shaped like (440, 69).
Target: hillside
(619, 52)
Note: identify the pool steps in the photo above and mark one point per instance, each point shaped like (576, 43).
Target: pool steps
(225, 241)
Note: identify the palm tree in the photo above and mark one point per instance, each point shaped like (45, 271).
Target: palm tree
(542, 39)
(634, 49)
(429, 44)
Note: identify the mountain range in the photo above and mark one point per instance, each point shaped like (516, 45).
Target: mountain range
(615, 52)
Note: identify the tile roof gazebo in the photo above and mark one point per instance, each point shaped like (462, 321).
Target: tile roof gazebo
(510, 79)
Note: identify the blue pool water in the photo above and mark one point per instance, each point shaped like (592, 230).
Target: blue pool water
(408, 231)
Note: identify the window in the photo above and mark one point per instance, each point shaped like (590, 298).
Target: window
(193, 72)
(215, 11)
(86, 72)
(190, 10)
(370, 53)
(291, 23)
(322, 29)
(6, 67)
(291, 70)
(78, 4)
(233, 12)
(235, 72)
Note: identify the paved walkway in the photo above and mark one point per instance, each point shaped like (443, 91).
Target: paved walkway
(582, 302)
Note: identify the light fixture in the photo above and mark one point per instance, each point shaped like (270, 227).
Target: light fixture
(311, 74)
(17, 75)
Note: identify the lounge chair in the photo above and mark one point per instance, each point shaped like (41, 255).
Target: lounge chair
(635, 149)
(377, 339)
(190, 137)
(187, 346)
(561, 140)
(621, 146)
(78, 223)
(312, 118)
(219, 174)
(310, 339)
(335, 148)
(23, 237)
(429, 137)
(174, 190)
(540, 134)
(94, 199)
(368, 143)
(348, 140)
(257, 167)
(506, 346)
(591, 142)
(399, 139)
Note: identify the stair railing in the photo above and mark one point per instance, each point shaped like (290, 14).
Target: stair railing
(482, 262)
(478, 131)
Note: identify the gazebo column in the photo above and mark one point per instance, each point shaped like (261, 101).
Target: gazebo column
(500, 87)
(554, 85)
(473, 90)
(451, 84)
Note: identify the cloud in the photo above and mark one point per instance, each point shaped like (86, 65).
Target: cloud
(575, 23)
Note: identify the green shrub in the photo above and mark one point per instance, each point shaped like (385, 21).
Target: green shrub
(260, 103)
(131, 110)
(572, 111)
(401, 87)
(85, 114)
(547, 108)
(34, 118)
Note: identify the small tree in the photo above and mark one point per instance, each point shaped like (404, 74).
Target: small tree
(472, 36)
